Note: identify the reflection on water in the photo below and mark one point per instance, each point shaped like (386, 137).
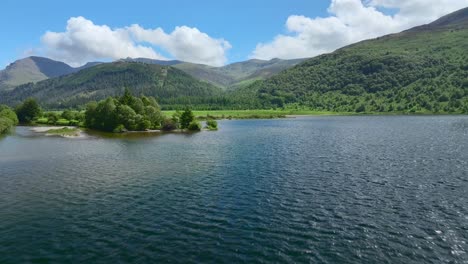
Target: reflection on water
(358, 189)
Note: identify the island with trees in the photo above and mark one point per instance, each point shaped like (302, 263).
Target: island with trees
(126, 113)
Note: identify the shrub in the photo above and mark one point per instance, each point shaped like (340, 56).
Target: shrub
(119, 129)
(62, 122)
(42, 120)
(361, 108)
(194, 126)
(168, 125)
(212, 125)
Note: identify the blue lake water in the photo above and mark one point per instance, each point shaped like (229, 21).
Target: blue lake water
(357, 189)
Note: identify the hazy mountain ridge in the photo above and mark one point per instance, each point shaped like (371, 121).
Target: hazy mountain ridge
(34, 69)
(228, 75)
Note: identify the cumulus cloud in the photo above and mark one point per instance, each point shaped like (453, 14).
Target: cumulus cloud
(351, 21)
(85, 41)
(185, 43)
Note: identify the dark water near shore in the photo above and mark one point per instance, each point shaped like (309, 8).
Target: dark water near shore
(379, 189)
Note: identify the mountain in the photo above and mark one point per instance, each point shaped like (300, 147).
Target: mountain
(170, 85)
(31, 69)
(229, 75)
(455, 20)
(87, 65)
(423, 69)
(152, 61)
(236, 73)
(35, 69)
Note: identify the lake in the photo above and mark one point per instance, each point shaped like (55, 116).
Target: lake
(372, 189)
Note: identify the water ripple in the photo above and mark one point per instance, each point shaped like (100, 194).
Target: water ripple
(320, 190)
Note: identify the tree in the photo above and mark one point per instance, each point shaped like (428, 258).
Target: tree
(154, 116)
(361, 108)
(67, 114)
(124, 113)
(90, 115)
(7, 112)
(28, 111)
(8, 119)
(127, 117)
(194, 126)
(126, 98)
(52, 118)
(186, 118)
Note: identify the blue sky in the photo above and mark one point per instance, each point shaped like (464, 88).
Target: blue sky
(238, 30)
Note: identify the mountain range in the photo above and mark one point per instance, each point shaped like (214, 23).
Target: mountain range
(423, 69)
(34, 69)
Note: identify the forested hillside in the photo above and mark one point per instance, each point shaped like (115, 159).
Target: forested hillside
(423, 69)
(110, 79)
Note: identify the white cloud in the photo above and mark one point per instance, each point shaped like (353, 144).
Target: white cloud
(351, 21)
(84, 41)
(185, 43)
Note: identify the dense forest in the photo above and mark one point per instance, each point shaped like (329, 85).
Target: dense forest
(110, 79)
(420, 70)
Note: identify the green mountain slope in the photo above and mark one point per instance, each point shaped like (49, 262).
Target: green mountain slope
(110, 79)
(423, 69)
(230, 75)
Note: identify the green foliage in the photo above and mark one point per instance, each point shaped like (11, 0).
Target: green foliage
(7, 112)
(169, 124)
(28, 111)
(64, 131)
(52, 118)
(5, 124)
(211, 124)
(63, 122)
(66, 118)
(127, 113)
(119, 129)
(194, 126)
(186, 118)
(8, 119)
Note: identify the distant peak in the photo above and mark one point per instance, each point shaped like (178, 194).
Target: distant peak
(276, 59)
(455, 18)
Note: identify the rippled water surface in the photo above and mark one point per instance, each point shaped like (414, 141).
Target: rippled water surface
(382, 189)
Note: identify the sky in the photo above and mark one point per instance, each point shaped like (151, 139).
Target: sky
(211, 32)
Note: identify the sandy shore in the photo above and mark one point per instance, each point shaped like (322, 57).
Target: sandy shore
(42, 129)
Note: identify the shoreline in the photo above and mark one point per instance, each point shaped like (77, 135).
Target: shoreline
(75, 133)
